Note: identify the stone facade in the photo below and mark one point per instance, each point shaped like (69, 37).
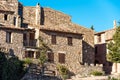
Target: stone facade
(16, 44)
(28, 23)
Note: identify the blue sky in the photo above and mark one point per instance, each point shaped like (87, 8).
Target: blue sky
(99, 13)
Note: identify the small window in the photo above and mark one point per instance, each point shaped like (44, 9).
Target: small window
(53, 39)
(5, 17)
(61, 58)
(70, 41)
(99, 38)
(8, 37)
(14, 21)
(51, 57)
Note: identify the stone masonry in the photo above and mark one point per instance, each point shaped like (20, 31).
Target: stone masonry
(29, 23)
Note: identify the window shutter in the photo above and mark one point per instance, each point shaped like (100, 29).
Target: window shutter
(61, 58)
(53, 39)
(51, 57)
(69, 40)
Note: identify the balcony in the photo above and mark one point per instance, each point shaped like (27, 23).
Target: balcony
(30, 43)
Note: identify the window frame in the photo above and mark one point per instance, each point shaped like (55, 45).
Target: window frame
(50, 57)
(70, 41)
(9, 37)
(61, 58)
(53, 39)
(5, 17)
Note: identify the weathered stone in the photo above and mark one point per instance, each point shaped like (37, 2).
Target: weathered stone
(47, 22)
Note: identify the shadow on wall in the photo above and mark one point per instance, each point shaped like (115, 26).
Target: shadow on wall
(100, 57)
(42, 16)
(107, 67)
(88, 56)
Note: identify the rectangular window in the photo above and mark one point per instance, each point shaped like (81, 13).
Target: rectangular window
(99, 38)
(14, 21)
(30, 54)
(53, 39)
(61, 58)
(70, 41)
(32, 36)
(51, 57)
(24, 36)
(8, 37)
(5, 17)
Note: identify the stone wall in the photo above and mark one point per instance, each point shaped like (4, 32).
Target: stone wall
(72, 53)
(9, 5)
(109, 34)
(85, 70)
(55, 17)
(9, 21)
(29, 15)
(17, 42)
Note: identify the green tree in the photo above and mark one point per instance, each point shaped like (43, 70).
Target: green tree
(92, 27)
(43, 50)
(13, 69)
(114, 47)
(2, 60)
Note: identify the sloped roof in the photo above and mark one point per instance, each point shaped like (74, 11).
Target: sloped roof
(68, 28)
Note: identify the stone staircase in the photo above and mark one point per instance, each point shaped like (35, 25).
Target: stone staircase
(34, 73)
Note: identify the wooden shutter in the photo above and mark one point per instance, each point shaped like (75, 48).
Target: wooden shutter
(51, 57)
(53, 39)
(32, 36)
(69, 40)
(61, 58)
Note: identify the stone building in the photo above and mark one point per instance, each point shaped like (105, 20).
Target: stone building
(101, 40)
(21, 26)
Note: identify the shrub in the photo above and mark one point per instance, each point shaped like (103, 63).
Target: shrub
(2, 60)
(63, 71)
(97, 73)
(28, 61)
(112, 78)
(13, 69)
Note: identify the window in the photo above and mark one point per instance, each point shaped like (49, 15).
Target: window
(69, 41)
(61, 58)
(5, 17)
(29, 54)
(8, 37)
(14, 21)
(99, 38)
(53, 39)
(24, 36)
(32, 36)
(51, 57)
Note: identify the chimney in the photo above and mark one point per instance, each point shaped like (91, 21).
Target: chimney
(114, 24)
(37, 19)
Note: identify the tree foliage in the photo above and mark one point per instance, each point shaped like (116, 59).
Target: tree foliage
(114, 47)
(92, 27)
(10, 68)
(2, 60)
